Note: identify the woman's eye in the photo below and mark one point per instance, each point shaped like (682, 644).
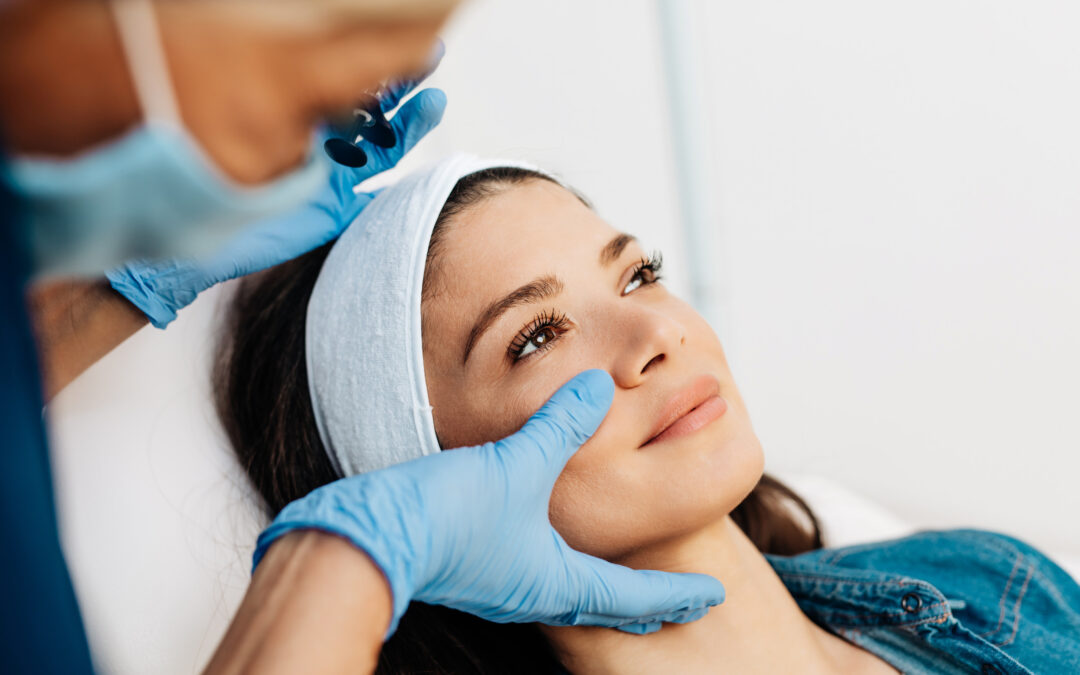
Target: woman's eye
(538, 340)
(647, 272)
(539, 335)
(634, 284)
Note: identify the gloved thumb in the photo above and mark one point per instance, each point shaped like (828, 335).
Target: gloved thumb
(638, 601)
(411, 123)
(418, 116)
(556, 431)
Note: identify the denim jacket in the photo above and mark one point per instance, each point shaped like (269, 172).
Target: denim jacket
(958, 601)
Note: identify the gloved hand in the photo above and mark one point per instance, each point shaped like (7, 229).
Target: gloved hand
(163, 287)
(469, 529)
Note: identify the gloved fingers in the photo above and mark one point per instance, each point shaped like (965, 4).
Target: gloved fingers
(641, 628)
(619, 596)
(573, 413)
(674, 617)
(350, 210)
(399, 89)
(413, 121)
(282, 238)
(654, 623)
(138, 281)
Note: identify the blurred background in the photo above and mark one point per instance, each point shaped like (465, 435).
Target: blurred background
(876, 205)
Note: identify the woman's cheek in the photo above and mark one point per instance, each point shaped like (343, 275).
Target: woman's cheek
(504, 412)
(593, 504)
(532, 388)
(575, 513)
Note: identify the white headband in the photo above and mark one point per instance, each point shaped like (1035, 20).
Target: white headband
(365, 363)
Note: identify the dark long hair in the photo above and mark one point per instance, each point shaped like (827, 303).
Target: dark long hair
(261, 392)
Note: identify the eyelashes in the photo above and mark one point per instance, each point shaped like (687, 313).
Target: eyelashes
(541, 332)
(646, 272)
(548, 326)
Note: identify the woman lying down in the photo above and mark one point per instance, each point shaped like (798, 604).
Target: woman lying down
(460, 300)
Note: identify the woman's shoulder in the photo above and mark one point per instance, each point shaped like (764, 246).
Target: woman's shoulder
(991, 579)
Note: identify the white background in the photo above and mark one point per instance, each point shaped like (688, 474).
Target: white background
(896, 213)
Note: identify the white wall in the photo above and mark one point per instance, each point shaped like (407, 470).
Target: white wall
(574, 87)
(896, 197)
(899, 185)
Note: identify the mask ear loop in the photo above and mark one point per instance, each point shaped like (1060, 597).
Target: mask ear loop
(140, 38)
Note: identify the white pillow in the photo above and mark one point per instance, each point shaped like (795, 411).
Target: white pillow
(847, 517)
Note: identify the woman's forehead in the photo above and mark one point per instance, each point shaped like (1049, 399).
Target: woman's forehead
(523, 224)
(523, 232)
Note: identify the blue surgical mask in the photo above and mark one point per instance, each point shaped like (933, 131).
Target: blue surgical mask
(153, 192)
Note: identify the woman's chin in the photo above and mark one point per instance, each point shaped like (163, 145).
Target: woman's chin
(722, 464)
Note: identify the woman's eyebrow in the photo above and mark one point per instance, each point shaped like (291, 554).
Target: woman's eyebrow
(614, 248)
(538, 289)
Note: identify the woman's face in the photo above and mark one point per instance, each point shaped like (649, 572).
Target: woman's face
(251, 89)
(496, 349)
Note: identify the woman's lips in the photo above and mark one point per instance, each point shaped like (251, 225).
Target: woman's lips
(689, 410)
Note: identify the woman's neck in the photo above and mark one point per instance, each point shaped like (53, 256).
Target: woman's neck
(758, 628)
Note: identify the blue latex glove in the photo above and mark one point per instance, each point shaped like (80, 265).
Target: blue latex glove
(161, 288)
(469, 529)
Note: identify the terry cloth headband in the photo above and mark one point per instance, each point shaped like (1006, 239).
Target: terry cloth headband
(365, 362)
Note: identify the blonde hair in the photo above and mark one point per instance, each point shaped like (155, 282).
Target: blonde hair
(322, 13)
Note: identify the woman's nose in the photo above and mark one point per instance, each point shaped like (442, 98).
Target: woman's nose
(648, 339)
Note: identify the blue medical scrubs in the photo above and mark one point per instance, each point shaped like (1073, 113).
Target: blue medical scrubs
(41, 630)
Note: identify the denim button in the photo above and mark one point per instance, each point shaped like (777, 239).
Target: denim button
(990, 669)
(911, 602)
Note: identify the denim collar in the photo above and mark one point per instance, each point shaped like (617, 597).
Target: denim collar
(855, 598)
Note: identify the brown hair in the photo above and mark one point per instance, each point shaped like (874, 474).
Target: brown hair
(261, 392)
